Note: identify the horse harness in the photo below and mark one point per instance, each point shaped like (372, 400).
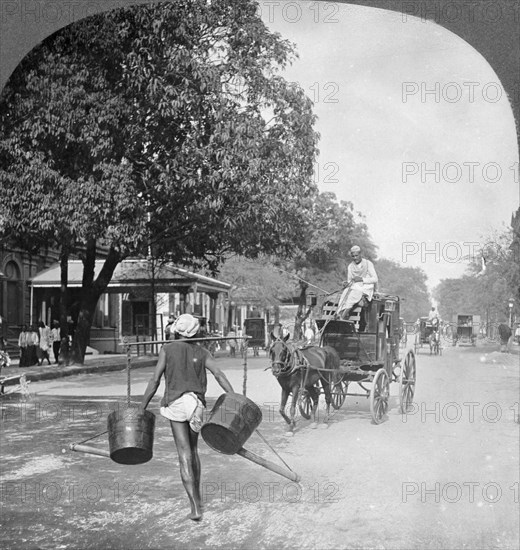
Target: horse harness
(294, 360)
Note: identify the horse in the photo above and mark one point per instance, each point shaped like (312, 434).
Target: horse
(434, 339)
(293, 368)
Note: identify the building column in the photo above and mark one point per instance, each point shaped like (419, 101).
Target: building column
(183, 294)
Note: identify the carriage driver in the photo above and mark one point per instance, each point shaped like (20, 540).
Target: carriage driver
(360, 284)
(433, 315)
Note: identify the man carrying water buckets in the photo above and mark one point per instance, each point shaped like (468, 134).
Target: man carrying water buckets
(184, 365)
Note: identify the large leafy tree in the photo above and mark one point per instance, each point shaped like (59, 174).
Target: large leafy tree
(163, 128)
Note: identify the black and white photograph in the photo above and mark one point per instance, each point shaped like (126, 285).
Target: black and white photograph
(259, 274)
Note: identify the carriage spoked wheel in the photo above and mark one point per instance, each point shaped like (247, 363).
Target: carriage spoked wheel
(305, 404)
(379, 395)
(417, 344)
(407, 383)
(339, 391)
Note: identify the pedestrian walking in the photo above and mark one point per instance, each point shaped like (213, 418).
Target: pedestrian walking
(44, 344)
(505, 333)
(5, 360)
(33, 341)
(22, 346)
(309, 334)
(167, 328)
(183, 365)
(56, 340)
(232, 343)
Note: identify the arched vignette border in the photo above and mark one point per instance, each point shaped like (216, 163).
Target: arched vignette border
(491, 27)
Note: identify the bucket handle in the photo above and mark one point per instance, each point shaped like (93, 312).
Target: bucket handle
(289, 474)
(89, 450)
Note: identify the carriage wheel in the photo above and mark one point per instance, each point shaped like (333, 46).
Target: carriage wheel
(379, 395)
(407, 383)
(305, 404)
(417, 344)
(338, 393)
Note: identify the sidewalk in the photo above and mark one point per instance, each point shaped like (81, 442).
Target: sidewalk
(93, 364)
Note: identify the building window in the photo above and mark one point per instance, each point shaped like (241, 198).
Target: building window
(106, 311)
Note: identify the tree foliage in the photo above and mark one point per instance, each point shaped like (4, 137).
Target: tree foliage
(334, 227)
(257, 282)
(492, 279)
(164, 126)
(409, 283)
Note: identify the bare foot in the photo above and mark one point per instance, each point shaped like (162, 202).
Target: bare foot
(195, 516)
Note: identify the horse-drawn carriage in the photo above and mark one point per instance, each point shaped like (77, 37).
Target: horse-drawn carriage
(255, 328)
(466, 329)
(363, 349)
(428, 333)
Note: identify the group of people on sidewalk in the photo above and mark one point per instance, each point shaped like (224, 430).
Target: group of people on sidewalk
(35, 343)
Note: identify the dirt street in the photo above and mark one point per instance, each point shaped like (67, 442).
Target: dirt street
(444, 476)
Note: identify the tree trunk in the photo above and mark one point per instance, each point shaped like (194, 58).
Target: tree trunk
(64, 357)
(84, 323)
(276, 315)
(301, 314)
(91, 291)
(64, 298)
(153, 320)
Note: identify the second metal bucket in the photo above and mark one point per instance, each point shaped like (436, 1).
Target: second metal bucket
(232, 420)
(130, 436)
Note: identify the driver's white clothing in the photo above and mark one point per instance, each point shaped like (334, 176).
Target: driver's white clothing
(353, 293)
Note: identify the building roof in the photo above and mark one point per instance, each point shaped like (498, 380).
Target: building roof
(130, 274)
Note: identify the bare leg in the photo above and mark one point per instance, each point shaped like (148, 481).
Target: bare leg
(283, 403)
(189, 463)
(295, 394)
(195, 462)
(314, 394)
(326, 390)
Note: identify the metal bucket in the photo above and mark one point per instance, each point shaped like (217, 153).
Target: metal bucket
(130, 436)
(232, 420)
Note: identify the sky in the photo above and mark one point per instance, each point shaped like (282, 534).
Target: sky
(415, 129)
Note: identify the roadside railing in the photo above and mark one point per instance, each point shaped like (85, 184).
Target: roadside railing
(155, 345)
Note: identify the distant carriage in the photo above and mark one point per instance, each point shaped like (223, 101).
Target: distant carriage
(428, 334)
(254, 327)
(465, 329)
